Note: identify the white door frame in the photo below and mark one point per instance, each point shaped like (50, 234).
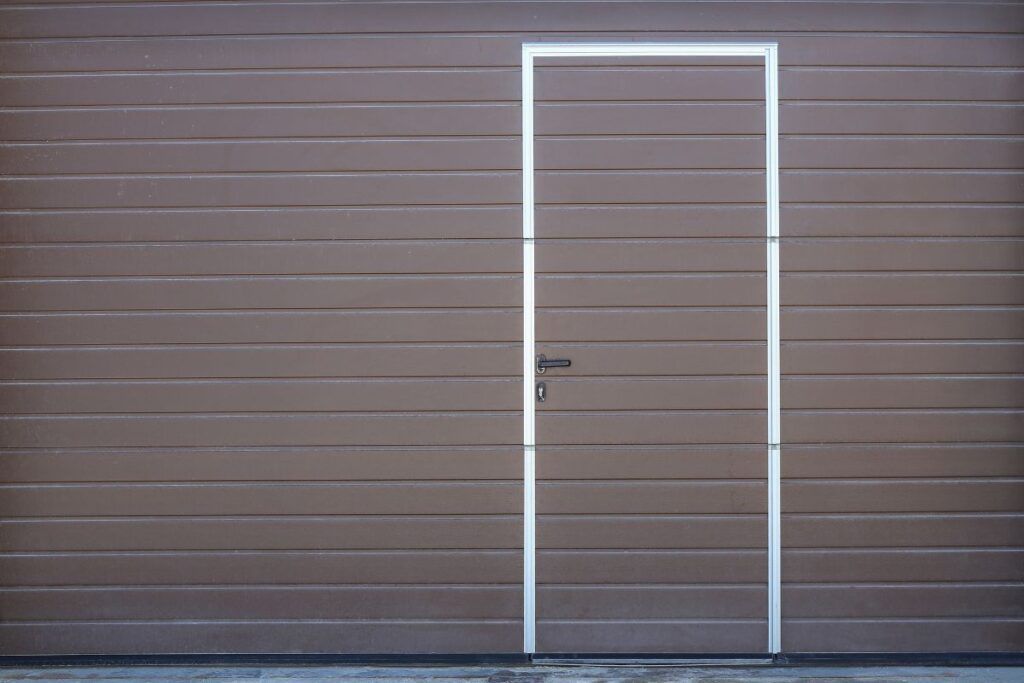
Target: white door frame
(769, 52)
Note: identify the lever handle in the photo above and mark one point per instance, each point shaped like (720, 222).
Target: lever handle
(543, 363)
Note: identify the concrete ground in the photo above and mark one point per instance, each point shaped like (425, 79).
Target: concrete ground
(519, 674)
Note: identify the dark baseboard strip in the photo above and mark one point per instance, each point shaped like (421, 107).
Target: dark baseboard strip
(902, 658)
(268, 660)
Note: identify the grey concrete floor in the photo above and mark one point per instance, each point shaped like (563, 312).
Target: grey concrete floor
(520, 674)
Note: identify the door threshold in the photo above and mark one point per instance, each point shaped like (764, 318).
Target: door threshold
(556, 660)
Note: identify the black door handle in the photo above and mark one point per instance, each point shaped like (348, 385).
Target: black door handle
(543, 363)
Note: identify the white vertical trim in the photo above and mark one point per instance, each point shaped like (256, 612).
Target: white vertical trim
(769, 51)
(771, 94)
(529, 408)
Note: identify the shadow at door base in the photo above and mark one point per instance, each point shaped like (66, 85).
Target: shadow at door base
(520, 659)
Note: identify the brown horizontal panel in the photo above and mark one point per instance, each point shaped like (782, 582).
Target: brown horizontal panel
(271, 464)
(335, 498)
(901, 392)
(649, 290)
(315, 566)
(259, 395)
(260, 258)
(650, 393)
(904, 564)
(253, 86)
(902, 254)
(296, 360)
(268, 223)
(901, 84)
(650, 462)
(903, 495)
(680, 324)
(280, 533)
(902, 186)
(261, 429)
(679, 82)
(678, 637)
(889, 601)
(269, 637)
(252, 18)
(650, 532)
(922, 460)
(636, 118)
(951, 322)
(278, 189)
(671, 498)
(650, 602)
(902, 289)
(891, 151)
(633, 221)
(871, 635)
(654, 152)
(639, 187)
(196, 327)
(902, 220)
(310, 292)
(914, 426)
(256, 121)
(693, 358)
(418, 50)
(263, 602)
(637, 567)
(904, 118)
(227, 156)
(902, 530)
(649, 427)
(665, 255)
(953, 357)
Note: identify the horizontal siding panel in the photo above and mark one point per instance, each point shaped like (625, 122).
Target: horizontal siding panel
(143, 20)
(669, 497)
(938, 357)
(260, 429)
(902, 220)
(265, 223)
(652, 462)
(643, 152)
(902, 530)
(647, 118)
(900, 152)
(259, 395)
(886, 601)
(419, 50)
(860, 118)
(667, 220)
(666, 255)
(666, 359)
(897, 322)
(904, 564)
(900, 495)
(335, 498)
(816, 83)
(262, 533)
(269, 464)
(899, 635)
(265, 292)
(650, 427)
(224, 637)
(901, 392)
(625, 324)
(971, 254)
(624, 636)
(902, 289)
(903, 426)
(903, 186)
(625, 83)
(644, 531)
(654, 393)
(650, 290)
(894, 460)
(594, 187)
(240, 567)
(654, 602)
(240, 258)
(292, 360)
(262, 602)
(558, 567)
(217, 327)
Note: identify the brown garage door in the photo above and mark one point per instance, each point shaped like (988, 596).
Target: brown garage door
(651, 447)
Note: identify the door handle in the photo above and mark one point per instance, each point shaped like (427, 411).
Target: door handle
(543, 363)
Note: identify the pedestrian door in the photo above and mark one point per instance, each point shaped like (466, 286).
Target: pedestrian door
(648, 371)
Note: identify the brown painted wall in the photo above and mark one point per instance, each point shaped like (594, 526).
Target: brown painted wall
(260, 317)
